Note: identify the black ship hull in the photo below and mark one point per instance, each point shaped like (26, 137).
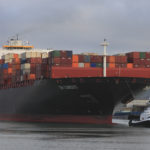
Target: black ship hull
(68, 101)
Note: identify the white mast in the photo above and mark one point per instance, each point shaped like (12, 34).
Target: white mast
(105, 44)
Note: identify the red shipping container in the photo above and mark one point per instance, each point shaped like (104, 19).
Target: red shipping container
(143, 61)
(18, 72)
(147, 61)
(5, 71)
(110, 59)
(147, 54)
(142, 66)
(96, 59)
(63, 54)
(18, 66)
(32, 65)
(121, 59)
(136, 65)
(1, 61)
(65, 61)
(56, 65)
(120, 65)
(80, 58)
(9, 65)
(133, 55)
(134, 60)
(33, 60)
(66, 65)
(107, 59)
(71, 72)
(147, 66)
(33, 68)
(56, 60)
(39, 60)
(45, 61)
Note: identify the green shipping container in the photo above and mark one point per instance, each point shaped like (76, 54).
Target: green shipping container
(107, 65)
(142, 55)
(99, 65)
(56, 53)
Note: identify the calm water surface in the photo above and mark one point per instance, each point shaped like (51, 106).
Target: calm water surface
(27, 136)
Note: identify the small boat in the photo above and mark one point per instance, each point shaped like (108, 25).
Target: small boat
(144, 119)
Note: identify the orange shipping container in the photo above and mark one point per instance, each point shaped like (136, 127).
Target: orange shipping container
(129, 65)
(111, 59)
(15, 55)
(75, 65)
(9, 70)
(111, 65)
(75, 59)
(32, 76)
(86, 64)
(17, 60)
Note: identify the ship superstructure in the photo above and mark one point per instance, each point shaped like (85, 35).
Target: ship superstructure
(18, 46)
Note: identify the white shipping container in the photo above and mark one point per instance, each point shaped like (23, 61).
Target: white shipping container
(33, 55)
(11, 60)
(19, 56)
(81, 65)
(8, 60)
(26, 71)
(38, 54)
(21, 77)
(44, 55)
(25, 66)
(11, 55)
(5, 57)
(26, 55)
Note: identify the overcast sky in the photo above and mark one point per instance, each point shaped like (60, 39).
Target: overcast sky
(80, 25)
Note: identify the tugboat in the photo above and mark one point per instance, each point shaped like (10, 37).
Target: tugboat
(144, 120)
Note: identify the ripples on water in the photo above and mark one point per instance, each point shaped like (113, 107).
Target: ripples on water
(21, 136)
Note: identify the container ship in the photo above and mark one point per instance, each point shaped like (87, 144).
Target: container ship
(58, 86)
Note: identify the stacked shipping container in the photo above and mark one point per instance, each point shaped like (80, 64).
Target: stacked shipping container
(31, 65)
(60, 58)
(87, 61)
(97, 61)
(35, 65)
(139, 59)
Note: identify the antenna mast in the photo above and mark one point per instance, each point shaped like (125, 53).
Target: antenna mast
(17, 36)
(104, 44)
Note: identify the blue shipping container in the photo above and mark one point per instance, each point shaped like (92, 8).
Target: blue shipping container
(23, 60)
(93, 64)
(69, 54)
(5, 66)
(87, 58)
